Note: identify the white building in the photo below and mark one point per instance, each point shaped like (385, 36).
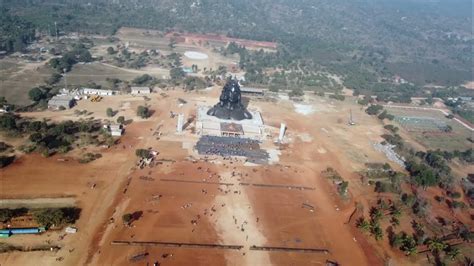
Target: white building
(89, 91)
(116, 130)
(140, 90)
(59, 101)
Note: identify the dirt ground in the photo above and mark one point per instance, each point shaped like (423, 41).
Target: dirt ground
(169, 208)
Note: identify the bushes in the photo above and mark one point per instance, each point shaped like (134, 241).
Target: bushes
(8, 122)
(386, 115)
(120, 119)
(343, 188)
(36, 94)
(4, 146)
(110, 112)
(374, 109)
(6, 160)
(391, 128)
(127, 218)
(142, 153)
(394, 139)
(296, 93)
(56, 217)
(337, 97)
(194, 83)
(89, 157)
(141, 80)
(143, 111)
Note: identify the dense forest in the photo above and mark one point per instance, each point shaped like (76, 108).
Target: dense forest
(425, 42)
(15, 32)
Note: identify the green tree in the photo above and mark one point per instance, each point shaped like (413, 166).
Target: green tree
(142, 153)
(436, 245)
(110, 112)
(363, 224)
(55, 78)
(377, 233)
(141, 80)
(343, 187)
(395, 222)
(36, 137)
(177, 73)
(376, 214)
(409, 246)
(7, 122)
(5, 215)
(453, 253)
(110, 50)
(143, 111)
(36, 94)
(120, 119)
(49, 217)
(296, 92)
(127, 218)
(374, 109)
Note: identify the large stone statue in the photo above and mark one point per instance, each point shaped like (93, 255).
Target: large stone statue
(230, 105)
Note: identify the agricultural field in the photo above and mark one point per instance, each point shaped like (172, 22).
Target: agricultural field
(429, 128)
(18, 77)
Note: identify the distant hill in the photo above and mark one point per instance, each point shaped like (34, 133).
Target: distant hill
(377, 37)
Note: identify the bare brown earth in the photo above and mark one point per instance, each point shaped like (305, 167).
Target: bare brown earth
(230, 214)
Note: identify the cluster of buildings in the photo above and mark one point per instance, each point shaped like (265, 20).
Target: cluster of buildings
(66, 99)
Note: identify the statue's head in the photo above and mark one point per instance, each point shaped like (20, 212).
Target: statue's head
(233, 91)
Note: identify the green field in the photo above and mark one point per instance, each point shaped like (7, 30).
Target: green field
(17, 79)
(423, 129)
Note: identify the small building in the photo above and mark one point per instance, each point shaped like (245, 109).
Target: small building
(90, 91)
(116, 130)
(58, 101)
(231, 129)
(252, 91)
(140, 90)
(465, 98)
(70, 230)
(188, 70)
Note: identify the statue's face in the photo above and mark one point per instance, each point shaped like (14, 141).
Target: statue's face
(234, 95)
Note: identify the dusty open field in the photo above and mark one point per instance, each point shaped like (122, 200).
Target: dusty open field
(172, 205)
(268, 216)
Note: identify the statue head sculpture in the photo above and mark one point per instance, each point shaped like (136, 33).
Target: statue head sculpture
(230, 105)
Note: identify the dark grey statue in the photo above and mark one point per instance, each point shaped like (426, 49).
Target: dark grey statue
(230, 106)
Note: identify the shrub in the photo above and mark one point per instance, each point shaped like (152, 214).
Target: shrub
(296, 93)
(142, 153)
(374, 109)
(143, 111)
(127, 218)
(120, 119)
(36, 94)
(110, 112)
(343, 187)
(6, 160)
(56, 217)
(5, 215)
(337, 97)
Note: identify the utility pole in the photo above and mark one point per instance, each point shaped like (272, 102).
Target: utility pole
(56, 29)
(65, 79)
